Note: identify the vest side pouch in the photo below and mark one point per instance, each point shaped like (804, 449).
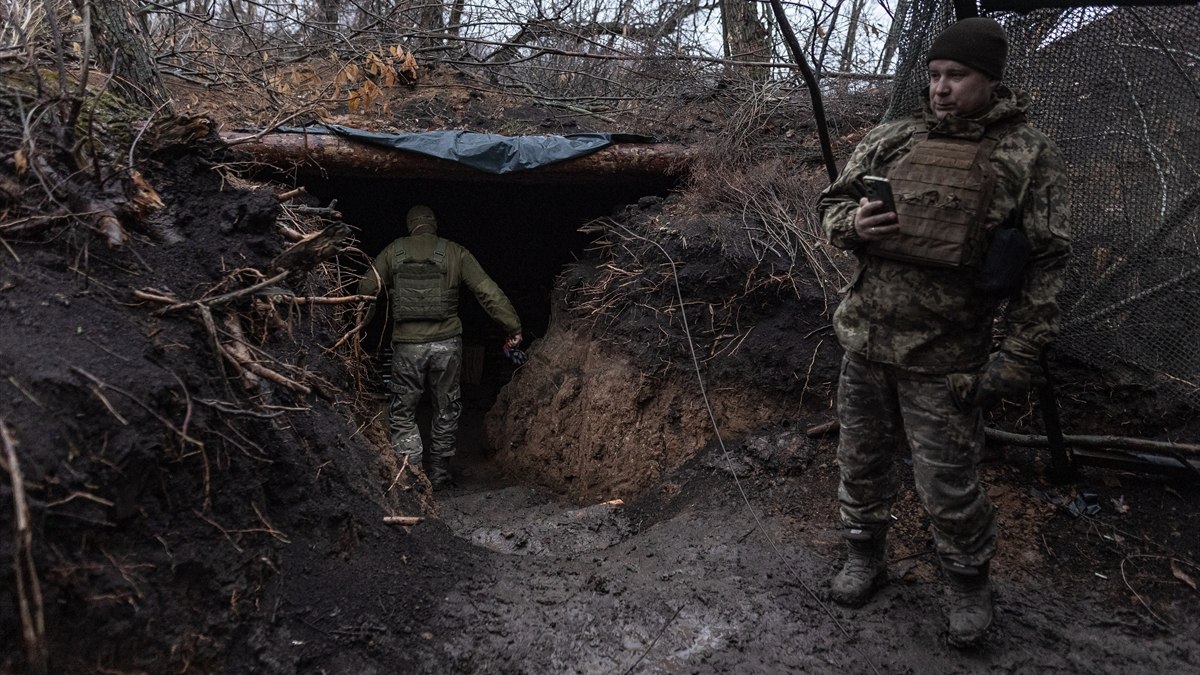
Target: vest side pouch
(1003, 268)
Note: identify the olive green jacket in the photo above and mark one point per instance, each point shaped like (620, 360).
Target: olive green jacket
(461, 268)
(933, 320)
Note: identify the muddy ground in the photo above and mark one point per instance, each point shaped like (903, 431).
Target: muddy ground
(186, 518)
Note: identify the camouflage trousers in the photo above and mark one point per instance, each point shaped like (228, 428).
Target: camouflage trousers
(414, 365)
(882, 408)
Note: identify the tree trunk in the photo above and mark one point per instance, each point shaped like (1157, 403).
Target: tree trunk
(456, 12)
(893, 38)
(122, 49)
(847, 63)
(745, 37)
(328, 10)
(819, 61)
(432, 22)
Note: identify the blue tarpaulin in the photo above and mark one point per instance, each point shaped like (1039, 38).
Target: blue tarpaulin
(492, 153)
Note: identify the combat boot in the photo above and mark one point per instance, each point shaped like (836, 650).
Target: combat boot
(969, 604)
(865, 570)
(439, 472)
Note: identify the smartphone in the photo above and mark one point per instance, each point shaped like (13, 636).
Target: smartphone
(880, 190)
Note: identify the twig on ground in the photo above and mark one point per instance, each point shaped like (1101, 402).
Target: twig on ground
(229, 409)
(146, 294)
(1123, 442)
(108, 404)
(223, 531)
(399, 474)
(28, 394)
(823, 428)
(290, 194)
(656, 639)
(270, 529)
(1138, 596)
(104, 385)
(407, 521)
(29, 591)
(320, 300)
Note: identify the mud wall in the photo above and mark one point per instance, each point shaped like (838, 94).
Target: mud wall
(580, 418)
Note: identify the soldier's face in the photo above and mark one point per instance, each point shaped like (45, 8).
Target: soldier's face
(958, 89)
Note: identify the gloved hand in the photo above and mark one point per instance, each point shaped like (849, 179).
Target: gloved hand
(1006, 374)
(517, 356)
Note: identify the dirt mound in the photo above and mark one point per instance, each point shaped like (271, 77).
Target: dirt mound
(179, 521)
(610, 400)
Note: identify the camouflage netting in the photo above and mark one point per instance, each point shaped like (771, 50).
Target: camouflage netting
(1119, 90)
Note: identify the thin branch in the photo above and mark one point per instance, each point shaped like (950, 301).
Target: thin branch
(29, 590)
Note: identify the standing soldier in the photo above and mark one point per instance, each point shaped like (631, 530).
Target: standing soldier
(424, 273)
(979, 216)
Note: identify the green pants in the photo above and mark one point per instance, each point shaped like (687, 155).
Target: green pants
(414, 365)
(882, 408)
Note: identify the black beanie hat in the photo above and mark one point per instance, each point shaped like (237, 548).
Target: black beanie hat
(978, 42)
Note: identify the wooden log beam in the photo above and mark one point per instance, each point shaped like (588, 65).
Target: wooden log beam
(322, 154)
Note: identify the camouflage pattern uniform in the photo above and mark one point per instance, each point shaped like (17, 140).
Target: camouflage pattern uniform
(905, 327)
(413, 363)
(430, 350)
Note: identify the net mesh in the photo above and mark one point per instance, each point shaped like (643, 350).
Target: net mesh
(1119, 90)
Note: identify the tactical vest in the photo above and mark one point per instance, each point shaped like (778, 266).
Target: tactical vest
(943, 188)
(420, 289)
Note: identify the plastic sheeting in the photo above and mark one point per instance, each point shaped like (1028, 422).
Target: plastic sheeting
(492, 153)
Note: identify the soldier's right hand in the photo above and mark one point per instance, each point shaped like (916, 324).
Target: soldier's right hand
(870, 224)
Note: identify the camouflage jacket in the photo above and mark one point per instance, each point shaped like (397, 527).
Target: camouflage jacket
(933, 320)
(461, 268)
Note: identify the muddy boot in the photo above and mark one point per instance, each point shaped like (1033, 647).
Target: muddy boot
(439, 472)
(969, 604)
(865, 570)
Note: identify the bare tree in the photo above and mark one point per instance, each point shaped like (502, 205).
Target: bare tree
(122, 49)
(826, 33)
(432, 22)
(327, 13)
(893, 36)
(745, 37)
(847, 62)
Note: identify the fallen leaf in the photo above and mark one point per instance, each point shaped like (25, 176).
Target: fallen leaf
(1183, 576)
(1120, 505)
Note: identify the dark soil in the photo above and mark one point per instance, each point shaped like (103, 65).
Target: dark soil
(182, 524)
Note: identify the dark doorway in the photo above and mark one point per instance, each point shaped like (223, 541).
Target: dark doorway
(522, 234)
